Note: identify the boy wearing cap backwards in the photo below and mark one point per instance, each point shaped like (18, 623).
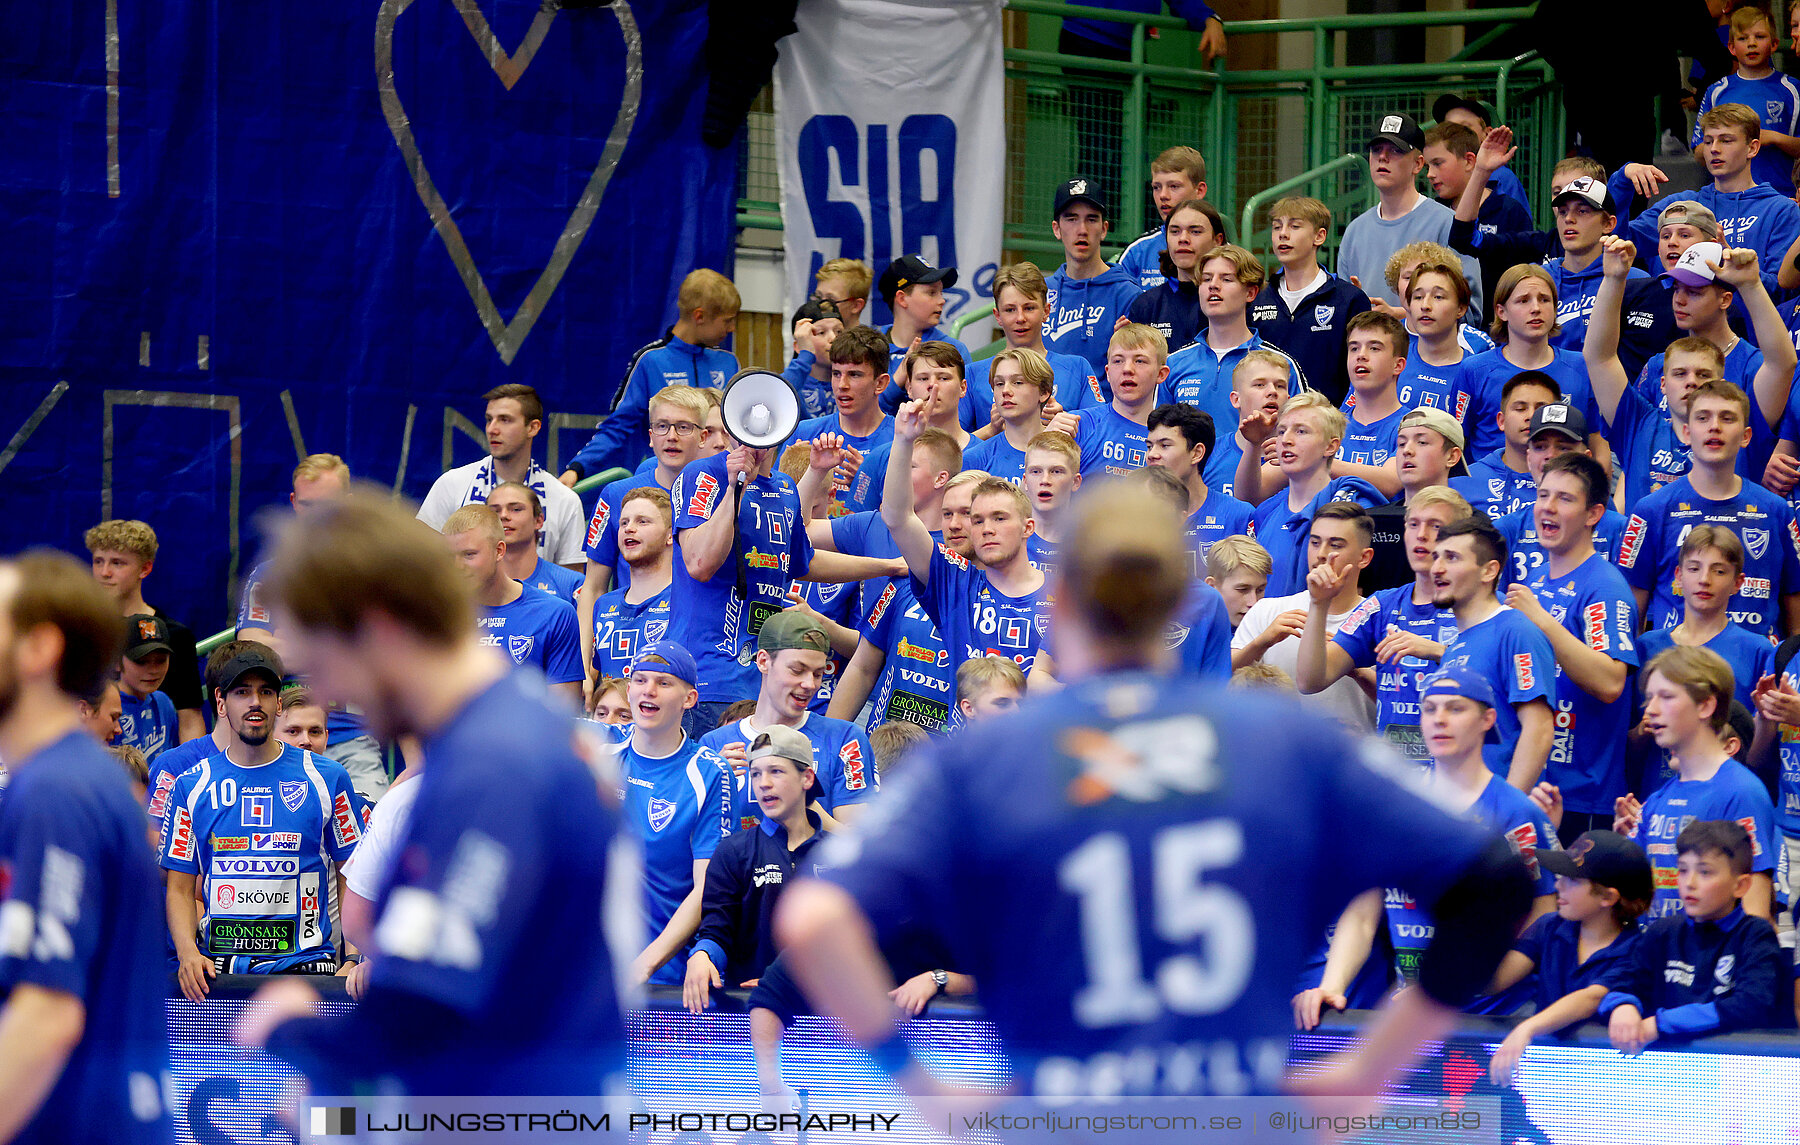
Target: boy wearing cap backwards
(751, 867)
(792, 651)
(1457, 713)
(1501, 482)
(1602, 886)
(1402, 215)
(1711, 969)
(255, 832)
(147, 718)
(1580, 601)
(1713, 493)
(677, 804)
(1085, 297)
(1687, 699)
(1399, 632)
(1558, 430)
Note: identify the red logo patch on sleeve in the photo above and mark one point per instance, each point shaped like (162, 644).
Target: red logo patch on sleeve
(1749, 826)
(597, 526)
(1522, 671)
(1523, 840)
(1632, 541)
(852, 756)
(706, 492)
(343, 821)
(1594, 623)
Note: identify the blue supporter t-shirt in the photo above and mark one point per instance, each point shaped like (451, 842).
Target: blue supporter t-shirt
(1037, 850)
(1486, 375)
(1500, 809)
(1076, 386)
(997, 456)
(708, 617)
(1646, 448)
(1493, 488)
(1219, 516)
(149, 724)
(1396, 681)
(1111, 443)
(536, 629)
(1751, 657)
(602, 542)
(1553, 943)
(1374, 443)
(83, 911)
(1587, 750)
(1734, 792)
(621, 628)
(1509, 652)
(263, 843)
(1525, 555)
(977, 619)
(917, 683)
(564, 584)
(1283, 530)
(1200, 634)
(1436, 387)
(1650, 551)
(677, 807)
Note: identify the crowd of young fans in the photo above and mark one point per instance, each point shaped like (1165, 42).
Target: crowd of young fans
(1519, 500)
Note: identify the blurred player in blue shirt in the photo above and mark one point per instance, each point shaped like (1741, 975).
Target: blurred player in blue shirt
(531, 627)
(1580, 602)
(460, 999)
(1038, 839)
(82, 1026)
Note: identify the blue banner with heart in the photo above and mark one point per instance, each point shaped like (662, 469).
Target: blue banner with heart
(235, 234)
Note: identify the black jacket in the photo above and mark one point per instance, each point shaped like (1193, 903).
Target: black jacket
(1705, 978)
(744, 881)
(1313, 332)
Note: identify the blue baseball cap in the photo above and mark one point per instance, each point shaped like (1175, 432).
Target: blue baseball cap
(667, 656)
(1458, 680)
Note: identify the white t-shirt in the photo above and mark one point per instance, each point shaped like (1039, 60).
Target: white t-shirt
(1294, 298)
(1345, 699)
(565, 527)
(367, 870)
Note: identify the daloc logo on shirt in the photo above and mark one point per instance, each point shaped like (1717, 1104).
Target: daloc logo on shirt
(661, 811)
(518, 647)
(293, 795)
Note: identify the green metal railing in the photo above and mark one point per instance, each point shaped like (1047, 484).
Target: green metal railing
(206, 647)
(1258, 128)
(1268, 195)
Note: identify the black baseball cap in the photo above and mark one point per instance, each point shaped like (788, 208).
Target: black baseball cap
(1604, 857)
(912, 270)
(1398, 129)
(1559, 417)
(258, 659)
(817, 310)
(145, 634)
(1079, 188)
(1451, 101)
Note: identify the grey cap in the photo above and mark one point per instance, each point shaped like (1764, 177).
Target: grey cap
(781, 741)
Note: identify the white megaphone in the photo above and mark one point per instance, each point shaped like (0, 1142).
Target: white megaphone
(760, 409)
